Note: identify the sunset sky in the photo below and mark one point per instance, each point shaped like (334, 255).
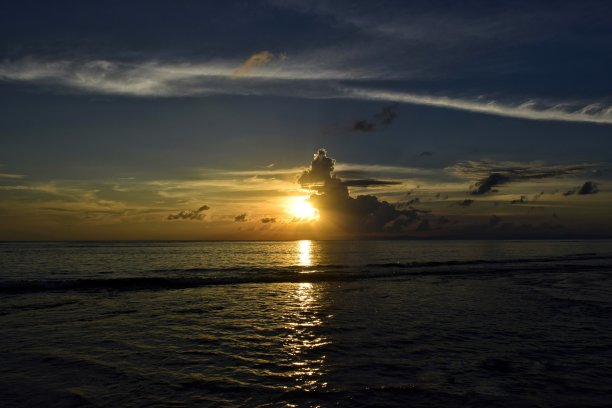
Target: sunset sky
(204, 120)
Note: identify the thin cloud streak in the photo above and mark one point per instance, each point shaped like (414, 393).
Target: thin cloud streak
(593, 113)
(11, 176)
(278, 77)
(156, 79)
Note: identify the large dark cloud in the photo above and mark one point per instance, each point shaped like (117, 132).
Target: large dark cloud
(485, 185)
(379, 121)
(190, 214)
(320, 172)
(489, 174)
(361, 214)
(588, 187)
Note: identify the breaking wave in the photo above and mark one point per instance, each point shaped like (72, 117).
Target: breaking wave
(199, 277)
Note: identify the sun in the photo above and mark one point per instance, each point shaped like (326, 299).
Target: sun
(302, 210)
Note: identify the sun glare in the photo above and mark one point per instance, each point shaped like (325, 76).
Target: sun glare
(301, 209)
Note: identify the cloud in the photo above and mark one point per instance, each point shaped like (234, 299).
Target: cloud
(489, 174)
(387, 115)
(305, 77)
(189, 214)
(153, 78)
(369, 182)
(531, 109)
(423, 225)
(11, 176)
(588, 187)
(521, 200)
(379, 121)
(415, 200)
(255, 60)
(240, 218)
(466, 203)
(320, 172)
(485, 185)
(268, 220)
(361, 214)
(425, 154)
(362, 126)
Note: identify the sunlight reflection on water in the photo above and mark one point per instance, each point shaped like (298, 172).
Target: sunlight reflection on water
(304, 247)
(303, 343)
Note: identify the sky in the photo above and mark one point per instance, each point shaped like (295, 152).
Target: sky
(305, 120)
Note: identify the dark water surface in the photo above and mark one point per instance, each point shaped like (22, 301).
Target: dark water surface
(307, 323)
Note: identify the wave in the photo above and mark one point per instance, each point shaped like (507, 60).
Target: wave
(318, 273)
(398, 265)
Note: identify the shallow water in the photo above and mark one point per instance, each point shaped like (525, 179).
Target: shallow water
(393, 323)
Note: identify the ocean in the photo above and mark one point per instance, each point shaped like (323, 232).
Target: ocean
(306, 324)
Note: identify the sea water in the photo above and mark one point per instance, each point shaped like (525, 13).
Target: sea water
(306, 323)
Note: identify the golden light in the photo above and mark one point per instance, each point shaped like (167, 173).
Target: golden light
(304, 344)
(304, 253)
(302, 210)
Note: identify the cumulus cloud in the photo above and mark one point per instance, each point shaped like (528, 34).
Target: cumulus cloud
(361, 214)
(320, 172)
(379, 121)
(189, 214)
(489, 174)
(240, 218)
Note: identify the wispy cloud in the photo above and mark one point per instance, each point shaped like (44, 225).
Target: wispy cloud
(154, 78)
(489, 174)
(297, 78)
(532, 109)
(11, 176)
